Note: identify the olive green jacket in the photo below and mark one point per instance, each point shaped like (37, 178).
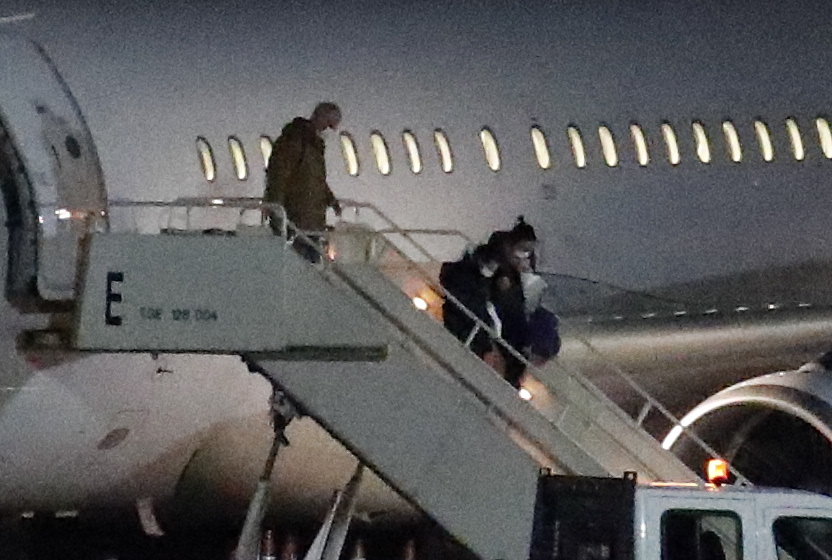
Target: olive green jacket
(296, 176)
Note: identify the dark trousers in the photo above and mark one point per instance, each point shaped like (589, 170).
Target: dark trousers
(514, 368)
(311, 250)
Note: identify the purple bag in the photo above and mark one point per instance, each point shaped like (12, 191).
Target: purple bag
(543, 333)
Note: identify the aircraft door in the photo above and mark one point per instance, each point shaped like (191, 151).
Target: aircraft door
(51, 178)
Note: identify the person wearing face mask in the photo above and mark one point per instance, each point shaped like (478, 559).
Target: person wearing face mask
(296, 175)
(507, 294)
(522, 244)
(469, 281)
(543, 336)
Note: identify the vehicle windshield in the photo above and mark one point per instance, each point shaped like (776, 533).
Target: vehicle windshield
(803, 538)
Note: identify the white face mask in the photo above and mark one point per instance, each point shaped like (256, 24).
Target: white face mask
(486, 271)
(521, 254)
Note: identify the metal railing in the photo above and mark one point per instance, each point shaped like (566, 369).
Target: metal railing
(649, 402)
(267, 212)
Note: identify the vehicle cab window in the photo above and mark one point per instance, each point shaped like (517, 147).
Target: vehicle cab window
(700, 535)
(803, 538)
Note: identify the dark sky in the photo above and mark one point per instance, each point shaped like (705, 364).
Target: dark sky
(597, 53)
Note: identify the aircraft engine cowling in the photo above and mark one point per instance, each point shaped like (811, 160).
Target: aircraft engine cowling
(775, 429)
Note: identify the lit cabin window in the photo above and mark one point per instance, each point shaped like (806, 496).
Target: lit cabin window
(490, 149)
(672, 145)
(577, 146)
(350, 154)
(732, 141)
(206, 159)
(795, 139)
(640, 143)
(541, 148)
(608, 146)
(703, 148)
(381, 153)
(825, 136)
(266, 149)
(444, 149)
(238, 157)
(764, 140)
(411, 146)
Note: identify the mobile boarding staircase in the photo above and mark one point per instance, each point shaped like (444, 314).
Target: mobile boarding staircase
(344, 340)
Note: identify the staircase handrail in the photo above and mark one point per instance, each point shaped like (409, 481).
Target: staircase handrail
(267, 209)
(582, 379)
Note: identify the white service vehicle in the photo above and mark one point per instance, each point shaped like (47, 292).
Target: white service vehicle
(589, 518)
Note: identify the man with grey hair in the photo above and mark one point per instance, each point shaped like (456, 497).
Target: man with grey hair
(296, 174)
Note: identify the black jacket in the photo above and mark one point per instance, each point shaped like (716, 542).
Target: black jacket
(508, 298)
(463, 280)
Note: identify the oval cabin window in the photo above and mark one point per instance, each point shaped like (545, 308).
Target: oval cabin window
(381, 153)
(764, 140)
(824, 136)
(732, 141)
(541, 148)
(608, 146)
(670, 142)
(640, 144)
(490, 149)
(577, 143)
(411, 146)
(443, 147)
(266, 150)
(350, 154)
(238, 158)
(206, 159)
(703, 148)
(798, 151)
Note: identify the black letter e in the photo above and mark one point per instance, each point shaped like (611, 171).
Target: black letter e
(113, 297)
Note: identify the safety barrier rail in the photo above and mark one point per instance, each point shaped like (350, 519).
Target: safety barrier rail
(247, 212)
(649, 402)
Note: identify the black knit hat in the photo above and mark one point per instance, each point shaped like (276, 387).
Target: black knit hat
(522, 231)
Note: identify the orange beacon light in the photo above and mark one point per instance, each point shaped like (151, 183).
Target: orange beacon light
(717, 471)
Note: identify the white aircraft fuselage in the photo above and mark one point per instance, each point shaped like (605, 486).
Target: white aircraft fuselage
(91, 431)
